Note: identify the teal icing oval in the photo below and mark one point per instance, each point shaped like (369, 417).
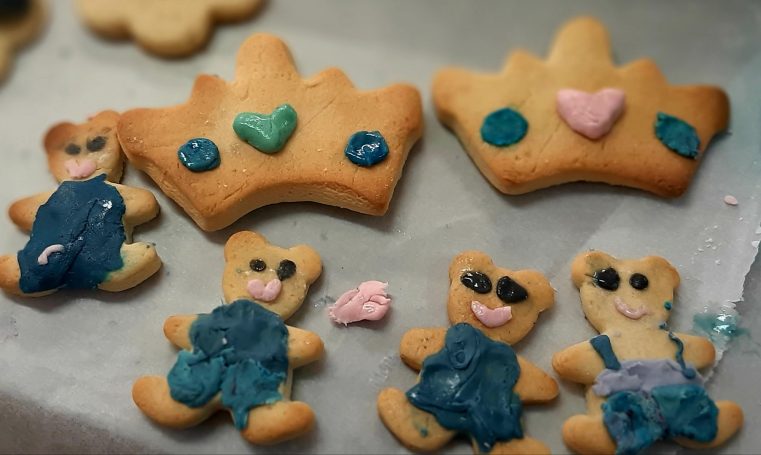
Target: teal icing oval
(678, 135)
(504, 127)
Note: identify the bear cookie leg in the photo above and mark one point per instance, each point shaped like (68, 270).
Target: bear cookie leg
(278, 422)
(415, 428)
(140, 262)
(587, 434)
(151, 395)
(729, 420)
(518, 447)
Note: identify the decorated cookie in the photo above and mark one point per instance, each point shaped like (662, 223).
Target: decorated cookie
(241, 356)
(367, 302)
(20, 22)
(471, 381)
(80, 239)
(81, 151)
(642, 379)
(270, 136)
(169, 28)
(577, 117)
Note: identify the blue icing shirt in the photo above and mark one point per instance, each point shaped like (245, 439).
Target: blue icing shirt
(468, 387)
(86, 218)
(240, 349)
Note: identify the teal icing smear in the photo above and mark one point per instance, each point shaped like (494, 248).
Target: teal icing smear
(721, 328)
(241, 350)
(678, 135)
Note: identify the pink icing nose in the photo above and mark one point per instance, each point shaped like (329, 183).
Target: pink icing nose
(491, 317)
(80, 169)
(265, 293)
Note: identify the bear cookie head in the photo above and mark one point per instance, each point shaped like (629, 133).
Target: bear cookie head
(616, 292)
(277, 278)
(502, 303)
(81, 151)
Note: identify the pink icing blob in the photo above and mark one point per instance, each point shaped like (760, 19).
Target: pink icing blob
(368, 302)
(80, 169)
(590, 114)
(491, 317)
(628, 311)
(43, 258)
(265, 293)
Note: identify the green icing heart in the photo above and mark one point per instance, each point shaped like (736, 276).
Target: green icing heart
(266, 133)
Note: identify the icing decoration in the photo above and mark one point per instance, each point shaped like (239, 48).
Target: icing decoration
(607, 279)
(626, 310)
(601, 344)
(468, 387)
(509, 291)
(96, 144)
(476, 281)
(239, 350)
(367, 302)
(504, 127)
(667, 305)
(257, 265)
(199, 155)
(677, 135)
(639, 281)
(686, 371)
(265, 293)
(266, 133)
(366, 148)
(72, 149)
(730, 200)
(43, 258)
(286, 269)
(86, 218)
(644, 375)
(721, 328)
(80, 169)
(590, 114)
(491, 317)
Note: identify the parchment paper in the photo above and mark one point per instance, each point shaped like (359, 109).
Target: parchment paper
(67, 362)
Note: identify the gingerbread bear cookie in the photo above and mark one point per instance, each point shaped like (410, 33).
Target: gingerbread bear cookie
(270, 136)
(471, 381)
(169, 28)
(642, 379)
(81, 233)
(241, 356)
(80, 151)
(577, 117)
(20, 22)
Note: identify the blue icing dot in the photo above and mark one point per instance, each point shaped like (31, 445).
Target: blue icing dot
(199, 155)
(504, 127)
(667, 305)
(366, 148)
(677, 135)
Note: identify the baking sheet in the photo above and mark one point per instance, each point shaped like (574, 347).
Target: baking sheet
(68, 361)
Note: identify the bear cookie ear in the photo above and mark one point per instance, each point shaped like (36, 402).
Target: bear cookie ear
(241, 239)
(468, 260)
(308, 262)
(585, 264)
(663, 267)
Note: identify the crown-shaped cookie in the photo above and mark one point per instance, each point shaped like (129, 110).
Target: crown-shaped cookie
(202, 153)
(578, 117)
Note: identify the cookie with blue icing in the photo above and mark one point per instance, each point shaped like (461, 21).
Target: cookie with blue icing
(643, 380)
(240, 356)
(576, 116)
(471, 381)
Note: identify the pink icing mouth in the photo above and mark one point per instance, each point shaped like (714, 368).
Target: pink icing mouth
(628, 311)
(80, 169)
(265, 293)
(368, 302)
(43, 258)
(591, 114)
(491, 317)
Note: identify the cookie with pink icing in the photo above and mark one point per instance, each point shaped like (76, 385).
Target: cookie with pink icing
(79, 151)
(367, 302)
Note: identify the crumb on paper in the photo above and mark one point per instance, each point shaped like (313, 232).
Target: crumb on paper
(730, 200)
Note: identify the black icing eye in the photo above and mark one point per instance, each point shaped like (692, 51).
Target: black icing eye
(72, 149)
(257, 265)
(509, 291)
(96, 144)
(638, 281)
(476, 281)
(607, 279)
(285, 270)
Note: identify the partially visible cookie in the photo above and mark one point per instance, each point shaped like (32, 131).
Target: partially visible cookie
(578, 117)
(80, 151)
(169, 28)
(20, 22)
(272, 136)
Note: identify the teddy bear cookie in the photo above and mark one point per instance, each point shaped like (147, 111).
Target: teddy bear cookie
(642, 379)
(168, 28)
(80, 151)
(270, 136)
(577, 117)
(471, 381)
(81, 233)
(20, 22)
(241, 356)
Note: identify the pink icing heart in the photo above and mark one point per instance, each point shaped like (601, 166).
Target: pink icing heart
(80, 169)
(491, 317)
(265, 293)
(591, 114)
(368, 302)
